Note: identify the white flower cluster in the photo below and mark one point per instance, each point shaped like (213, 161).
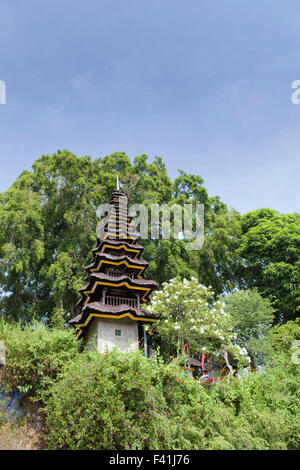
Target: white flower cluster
(242, 351)
(184, 305)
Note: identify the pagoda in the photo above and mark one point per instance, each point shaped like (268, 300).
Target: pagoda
(111, 313)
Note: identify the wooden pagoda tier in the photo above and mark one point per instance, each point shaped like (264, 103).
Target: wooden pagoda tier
(117, 223)
(116, 286)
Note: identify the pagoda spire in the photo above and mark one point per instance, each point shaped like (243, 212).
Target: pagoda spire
(118, 183)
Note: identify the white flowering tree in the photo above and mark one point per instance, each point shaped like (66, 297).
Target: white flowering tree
(189, 315)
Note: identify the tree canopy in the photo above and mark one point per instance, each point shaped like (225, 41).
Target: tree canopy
(48, 229)
(270, 259)
(253, 316)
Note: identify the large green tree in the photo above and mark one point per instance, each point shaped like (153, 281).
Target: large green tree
(48, 228)
(216, 263)
(270, 259)
(253, 316)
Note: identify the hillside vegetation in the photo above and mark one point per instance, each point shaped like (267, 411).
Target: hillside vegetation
(125, 401)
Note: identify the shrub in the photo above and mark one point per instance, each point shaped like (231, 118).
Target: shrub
(125, 401)
(267, 405)
(35, 355)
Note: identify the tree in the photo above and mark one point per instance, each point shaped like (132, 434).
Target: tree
(253, 316)
(285, 340)
(270, 255)
(48, 227)
(189, 315)
(216, 264)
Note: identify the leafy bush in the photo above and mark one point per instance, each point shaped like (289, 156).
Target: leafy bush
(116, 401)
(268, 403)
(35, 355)
(124, 401)
(283, 338)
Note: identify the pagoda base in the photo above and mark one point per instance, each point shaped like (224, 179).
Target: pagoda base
(105, 334)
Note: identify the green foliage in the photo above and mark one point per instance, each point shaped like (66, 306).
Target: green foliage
(284, 339)
(218, 261)
(253, 316)
(125, 401)
(169, 259)
(48, 228)
(35, 355)
(121, 401)
(188, 314)
(117, 401)
(270, 250)
(268, 404)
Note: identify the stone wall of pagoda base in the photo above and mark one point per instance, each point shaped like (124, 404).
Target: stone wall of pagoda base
(92, 336)
(103, 334)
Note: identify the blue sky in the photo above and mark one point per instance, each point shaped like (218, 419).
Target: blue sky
(205, 84)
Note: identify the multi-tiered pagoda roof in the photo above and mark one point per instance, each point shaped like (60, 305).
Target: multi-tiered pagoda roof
(116, 286)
